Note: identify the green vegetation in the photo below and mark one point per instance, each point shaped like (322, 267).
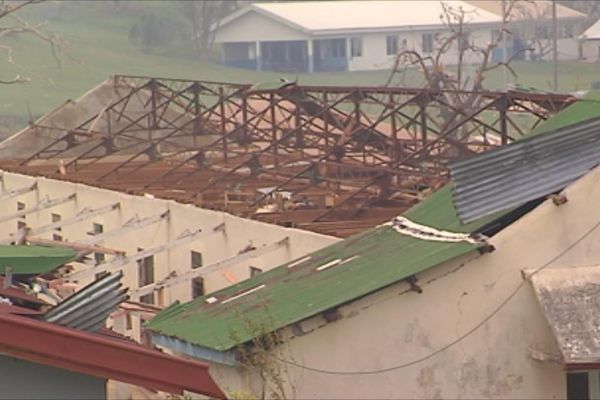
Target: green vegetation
(102, 44)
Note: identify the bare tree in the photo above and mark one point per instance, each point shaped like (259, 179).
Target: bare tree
(533, 26)
(457, 67)
(14, 25)
(203, 16)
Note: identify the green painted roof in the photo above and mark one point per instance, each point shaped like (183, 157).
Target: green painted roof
(586, 108)
(33, 260)
(384, 257)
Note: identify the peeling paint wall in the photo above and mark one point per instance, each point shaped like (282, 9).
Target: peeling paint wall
(396, 326)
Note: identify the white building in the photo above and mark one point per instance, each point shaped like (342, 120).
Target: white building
(339, 35)
(591, 43)
(531, 29)
(367, 35)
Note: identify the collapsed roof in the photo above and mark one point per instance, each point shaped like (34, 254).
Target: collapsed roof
(335, 160)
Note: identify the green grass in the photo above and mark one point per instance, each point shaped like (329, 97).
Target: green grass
(99, 48)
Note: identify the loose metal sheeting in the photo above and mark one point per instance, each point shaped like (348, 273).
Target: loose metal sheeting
(88, 308)
(524, 170)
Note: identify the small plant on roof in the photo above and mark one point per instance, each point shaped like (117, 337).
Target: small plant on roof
(261, 356)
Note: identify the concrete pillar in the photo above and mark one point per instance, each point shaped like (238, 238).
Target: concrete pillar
(348, 53)
(309, 54)
(258, 56)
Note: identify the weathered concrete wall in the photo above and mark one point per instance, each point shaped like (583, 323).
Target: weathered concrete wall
(25, 380)
(396, 326)
(374, 47)
(239, 232)
(591, 50)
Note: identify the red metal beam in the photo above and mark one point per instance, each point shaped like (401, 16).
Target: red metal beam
(102, 356)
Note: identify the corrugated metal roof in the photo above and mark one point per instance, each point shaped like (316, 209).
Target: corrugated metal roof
(33, 260)
(524, 170)
(330, 277)
(316, 16)
(88, 308)
(570, 300)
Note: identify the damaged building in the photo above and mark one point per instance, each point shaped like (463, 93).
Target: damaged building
(59, 348)
(190, 187)
(486, 289)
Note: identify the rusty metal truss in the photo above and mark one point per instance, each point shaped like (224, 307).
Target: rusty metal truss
(330, 159)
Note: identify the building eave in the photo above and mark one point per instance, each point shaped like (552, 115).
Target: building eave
(104, 357)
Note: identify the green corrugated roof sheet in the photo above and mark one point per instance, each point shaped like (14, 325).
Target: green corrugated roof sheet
(586, 108)
(293, 294)
(33, 260)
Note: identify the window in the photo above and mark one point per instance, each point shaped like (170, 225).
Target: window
(567, 31)
(427, 42)
(196, 259)
(97, 229)
(21, 225)
(128, 322)
(391, 45)
(56, 237)
(20, 206)
(56, 218)
(255, 271)
(356, 47)
(147, 299)
(99, 258)
(583, 385)
(197, 287)
(464, 42)
(145, 271)
(542, 32)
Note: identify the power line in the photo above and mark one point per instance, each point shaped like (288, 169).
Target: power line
(457, 340)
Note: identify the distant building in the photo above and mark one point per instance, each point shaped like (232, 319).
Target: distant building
(531, 29)
(338, 35)
(367, 35)
(590, 43)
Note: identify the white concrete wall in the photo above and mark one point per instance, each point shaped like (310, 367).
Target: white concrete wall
(591, 50)
(253, 27)
(374, 48)
(396, 326)
(238, 232)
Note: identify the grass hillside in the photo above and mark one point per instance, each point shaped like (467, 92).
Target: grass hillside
(98, 35)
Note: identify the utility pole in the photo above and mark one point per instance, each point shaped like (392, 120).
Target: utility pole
(555, 45)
